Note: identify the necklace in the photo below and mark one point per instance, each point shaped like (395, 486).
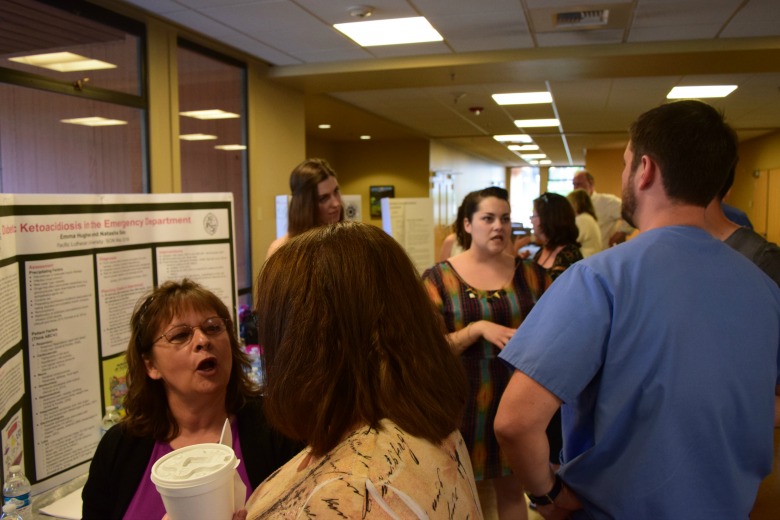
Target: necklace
(550, 253)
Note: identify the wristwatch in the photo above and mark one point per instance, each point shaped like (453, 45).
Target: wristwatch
(545, 500)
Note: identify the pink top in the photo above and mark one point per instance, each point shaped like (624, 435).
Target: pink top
(147, 502)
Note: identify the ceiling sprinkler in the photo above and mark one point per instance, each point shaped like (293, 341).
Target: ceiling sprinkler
(476, 110)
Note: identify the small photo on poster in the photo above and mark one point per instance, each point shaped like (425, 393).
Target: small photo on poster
(115, 382)
(376, 194)
(13, 452)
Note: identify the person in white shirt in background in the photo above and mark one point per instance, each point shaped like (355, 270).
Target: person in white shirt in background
(590, 233)
(614, 230)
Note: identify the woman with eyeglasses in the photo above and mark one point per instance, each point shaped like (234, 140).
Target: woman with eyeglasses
(186, 374)
(556, 231)
(483, 295)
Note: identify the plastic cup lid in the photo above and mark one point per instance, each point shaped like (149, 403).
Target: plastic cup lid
(192, 463)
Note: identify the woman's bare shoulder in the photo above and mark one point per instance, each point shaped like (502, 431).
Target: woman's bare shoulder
(276, 244)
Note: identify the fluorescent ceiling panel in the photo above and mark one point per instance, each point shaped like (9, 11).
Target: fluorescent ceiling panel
(523, 98)
(63, 62)
(700, 92)
(390, 32)
(197, 137)
(230, 147)
(93, 121)
(513, 138)
(531, 156)
(214, 113)
(536, 123)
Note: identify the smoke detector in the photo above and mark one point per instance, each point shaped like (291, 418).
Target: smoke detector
(360, 11)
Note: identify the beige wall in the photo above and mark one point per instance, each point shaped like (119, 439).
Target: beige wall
(757, 190)
(606, 167)
(277, 142)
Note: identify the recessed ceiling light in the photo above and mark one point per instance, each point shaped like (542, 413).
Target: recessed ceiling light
(545, 161)
(528, 147)
(197, 137)
(230, 147)
(533, 162)
(531, 156)
(63, 62)
(390, 32)
(513, 138)
(93, 121)
(214, 113)
(324, 126)
(536, 123)
(704, 91)
(523, 98)
(365, 137)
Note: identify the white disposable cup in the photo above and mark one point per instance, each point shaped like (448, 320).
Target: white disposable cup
(198, 482)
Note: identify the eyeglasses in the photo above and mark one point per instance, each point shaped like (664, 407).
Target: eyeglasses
(180, 335)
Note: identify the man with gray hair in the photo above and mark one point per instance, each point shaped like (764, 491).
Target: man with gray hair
(614, 229)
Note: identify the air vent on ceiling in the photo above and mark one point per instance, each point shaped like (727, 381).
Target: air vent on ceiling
(601, 17)
(571, 19)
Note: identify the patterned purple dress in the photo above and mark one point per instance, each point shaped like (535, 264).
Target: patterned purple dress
(461, 304)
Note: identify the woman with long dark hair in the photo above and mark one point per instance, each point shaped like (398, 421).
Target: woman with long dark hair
(315, 201)
(556, 231)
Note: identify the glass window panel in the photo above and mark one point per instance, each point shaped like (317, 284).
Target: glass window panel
(523, 189)
(29, 28)
(41, 154)
(209, 83)
(560, 177)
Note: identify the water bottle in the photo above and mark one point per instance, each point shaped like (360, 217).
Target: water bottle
(111, 418)
(17, 489)
(9, 512)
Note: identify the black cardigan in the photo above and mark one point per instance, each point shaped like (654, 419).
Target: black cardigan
(121, 459)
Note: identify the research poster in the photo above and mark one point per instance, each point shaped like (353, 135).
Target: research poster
(72, 269)
(410, 222)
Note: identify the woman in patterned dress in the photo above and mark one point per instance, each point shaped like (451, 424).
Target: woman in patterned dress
(357, 367)
(484, 294)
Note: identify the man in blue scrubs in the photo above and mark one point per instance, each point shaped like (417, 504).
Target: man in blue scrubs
(663, 350)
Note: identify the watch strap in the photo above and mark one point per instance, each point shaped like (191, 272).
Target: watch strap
(549, 497)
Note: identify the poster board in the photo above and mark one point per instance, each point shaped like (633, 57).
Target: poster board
(410, 222)
(72, 268)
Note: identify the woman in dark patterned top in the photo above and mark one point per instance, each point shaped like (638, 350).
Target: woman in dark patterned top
(556, 230)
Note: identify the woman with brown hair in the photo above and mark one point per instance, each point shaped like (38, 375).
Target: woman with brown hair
(555, 229)
(357, 366)
(483, 295)
(315, 201)
(589, 235)
(186, 374)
